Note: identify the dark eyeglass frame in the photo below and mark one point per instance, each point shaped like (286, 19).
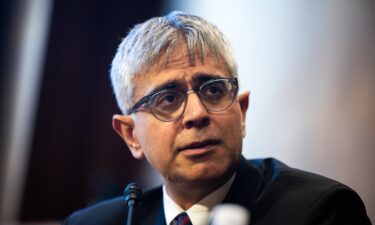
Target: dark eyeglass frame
(146, 100)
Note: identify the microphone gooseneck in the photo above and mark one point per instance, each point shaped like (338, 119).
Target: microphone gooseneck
(133, 196)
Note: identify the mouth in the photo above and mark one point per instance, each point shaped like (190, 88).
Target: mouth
(199, 147)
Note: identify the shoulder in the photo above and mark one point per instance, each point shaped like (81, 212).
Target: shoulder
(112, 211)
(306, 197)
(274, 172)
(279, 178)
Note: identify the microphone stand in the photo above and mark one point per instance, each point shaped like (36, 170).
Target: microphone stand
(132, 195)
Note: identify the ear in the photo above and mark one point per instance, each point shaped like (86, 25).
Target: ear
(124, 126)
(243, 99)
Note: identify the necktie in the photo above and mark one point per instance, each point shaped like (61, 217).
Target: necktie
(183, 219)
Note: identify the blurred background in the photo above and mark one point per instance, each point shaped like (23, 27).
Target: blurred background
(310, 67)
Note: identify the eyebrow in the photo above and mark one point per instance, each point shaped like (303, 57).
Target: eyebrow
(175, 84)
(203, 77)
(171, 84)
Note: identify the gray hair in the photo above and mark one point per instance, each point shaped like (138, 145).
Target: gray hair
(156, 39)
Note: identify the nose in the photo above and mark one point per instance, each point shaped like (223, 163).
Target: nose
(196, 114)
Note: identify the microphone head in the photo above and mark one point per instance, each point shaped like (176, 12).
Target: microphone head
(229, 214)
(133, 194)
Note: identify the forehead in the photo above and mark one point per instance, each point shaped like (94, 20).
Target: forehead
(179, 67)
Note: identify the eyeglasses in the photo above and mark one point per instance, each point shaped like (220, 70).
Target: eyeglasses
(169, 105)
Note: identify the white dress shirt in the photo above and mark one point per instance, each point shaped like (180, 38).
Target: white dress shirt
(199, 212)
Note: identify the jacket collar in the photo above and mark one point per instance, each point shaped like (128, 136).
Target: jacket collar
(246, 185)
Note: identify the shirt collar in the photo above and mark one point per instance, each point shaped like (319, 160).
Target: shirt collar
(199, 212)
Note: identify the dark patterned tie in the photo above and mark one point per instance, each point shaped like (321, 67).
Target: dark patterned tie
(183, 219)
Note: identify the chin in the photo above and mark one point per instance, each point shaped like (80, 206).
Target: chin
(210, 174)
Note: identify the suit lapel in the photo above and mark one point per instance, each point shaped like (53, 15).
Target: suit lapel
(154, 218)
(152, 210)
(160, 219)
(246, 185)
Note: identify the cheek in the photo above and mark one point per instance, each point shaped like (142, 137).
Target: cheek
(156, 140)
(232, 130)
(156, 135)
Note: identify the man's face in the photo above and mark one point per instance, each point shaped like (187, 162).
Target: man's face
(199, 147)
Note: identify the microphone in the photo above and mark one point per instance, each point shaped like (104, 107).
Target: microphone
(133, 196)
(229, 214)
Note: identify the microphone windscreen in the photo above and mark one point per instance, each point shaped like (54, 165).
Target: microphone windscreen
(133, 194)
(229, 214)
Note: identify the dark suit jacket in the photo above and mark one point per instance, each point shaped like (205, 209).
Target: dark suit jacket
(273, 193)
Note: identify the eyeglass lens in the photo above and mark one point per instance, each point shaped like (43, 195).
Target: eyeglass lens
(169, 105)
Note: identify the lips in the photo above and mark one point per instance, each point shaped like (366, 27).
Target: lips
(199, 145)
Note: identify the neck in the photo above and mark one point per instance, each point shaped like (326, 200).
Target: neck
(186, 194)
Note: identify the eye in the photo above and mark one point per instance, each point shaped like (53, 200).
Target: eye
(168, 98)
(167, 101)
(214, 91)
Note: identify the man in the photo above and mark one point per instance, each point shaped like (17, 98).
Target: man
(175, 80)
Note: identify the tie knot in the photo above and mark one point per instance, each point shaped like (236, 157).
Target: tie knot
(183, 219)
